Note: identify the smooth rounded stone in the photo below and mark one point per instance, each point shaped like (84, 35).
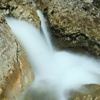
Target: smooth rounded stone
(87, 92)
(15, 72)
(74, 24)
(20, 9)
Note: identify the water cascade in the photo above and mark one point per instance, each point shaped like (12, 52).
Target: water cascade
(44, 29)
(57, 72)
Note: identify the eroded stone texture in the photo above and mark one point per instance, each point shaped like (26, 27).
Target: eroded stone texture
(74, 23)
(21, 9)
(15, 71)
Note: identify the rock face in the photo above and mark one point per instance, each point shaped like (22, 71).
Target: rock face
(74, 23)
(21, 9)
(15, 71)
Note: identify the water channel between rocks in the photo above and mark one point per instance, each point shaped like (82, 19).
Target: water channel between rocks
(56, 72)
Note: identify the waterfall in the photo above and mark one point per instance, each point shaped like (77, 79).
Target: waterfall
(44, 29)
(56, 73)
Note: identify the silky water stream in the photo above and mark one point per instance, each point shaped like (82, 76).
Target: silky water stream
(56, 72)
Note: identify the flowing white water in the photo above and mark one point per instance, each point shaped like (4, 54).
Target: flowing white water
(56, 71)
(44, 29)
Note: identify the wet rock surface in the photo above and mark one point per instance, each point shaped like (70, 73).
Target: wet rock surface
(74, 24)
(20, 9)
(15, 71)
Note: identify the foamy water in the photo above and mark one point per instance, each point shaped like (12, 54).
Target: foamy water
(55, 72)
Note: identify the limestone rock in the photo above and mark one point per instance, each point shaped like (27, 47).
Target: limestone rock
(21, 9)
(15, 71)
(74, 23)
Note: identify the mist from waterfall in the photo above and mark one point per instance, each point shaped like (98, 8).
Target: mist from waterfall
(57, 72)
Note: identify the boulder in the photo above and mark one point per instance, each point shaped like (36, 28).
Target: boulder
(90, 92)
(74, 24)
(15, 71)
(20, 9)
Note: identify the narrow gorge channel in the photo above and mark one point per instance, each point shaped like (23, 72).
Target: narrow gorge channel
(56, 72)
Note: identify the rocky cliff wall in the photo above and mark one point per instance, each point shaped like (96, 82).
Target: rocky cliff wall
(74, 24)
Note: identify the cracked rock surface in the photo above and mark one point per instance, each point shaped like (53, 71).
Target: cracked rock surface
(74, 24)
(15, 71)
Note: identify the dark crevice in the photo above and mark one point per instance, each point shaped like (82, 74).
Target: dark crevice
(73, 35)
(52, 12)
(83, 39)
(17, 54)
(84, 8)
(45, 11)
(4, 8)
(12, 8)
(78, 47)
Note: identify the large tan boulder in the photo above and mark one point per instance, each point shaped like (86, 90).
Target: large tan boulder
(15, 71)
